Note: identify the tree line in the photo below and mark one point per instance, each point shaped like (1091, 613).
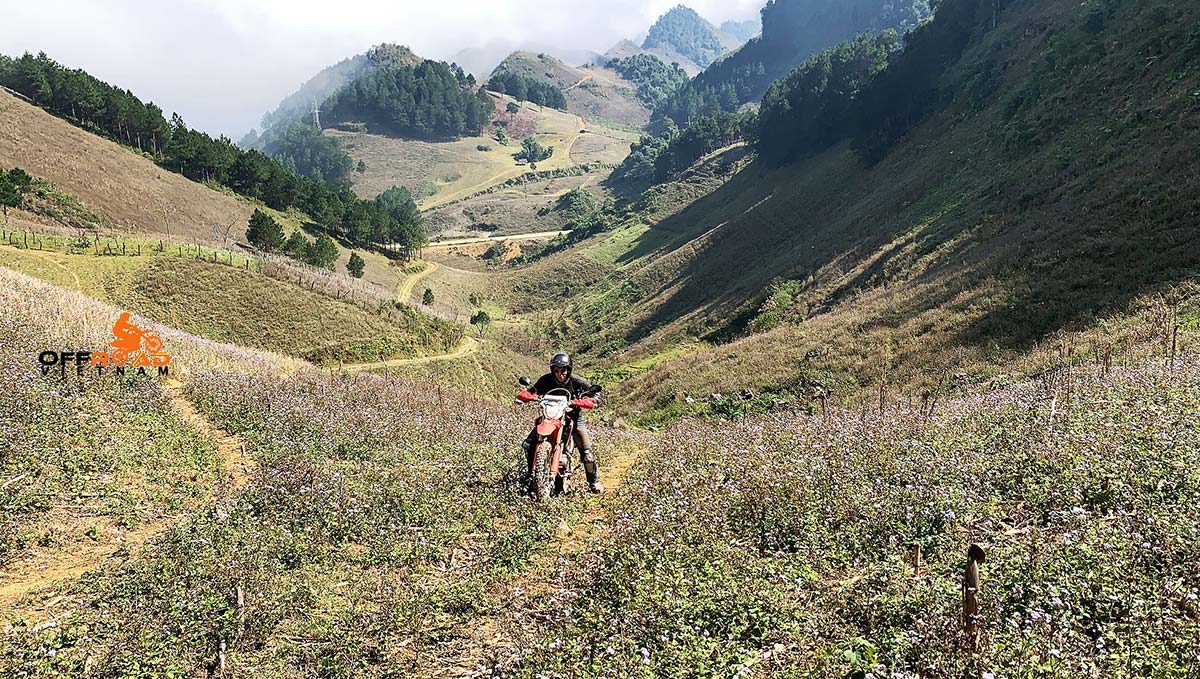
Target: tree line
(119, 115)
(430, 100)
(524, 88)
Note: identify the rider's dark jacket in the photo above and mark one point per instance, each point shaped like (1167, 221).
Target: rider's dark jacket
(575, 385)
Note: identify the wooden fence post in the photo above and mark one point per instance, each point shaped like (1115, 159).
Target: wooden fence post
(916, 559)
(975, 557)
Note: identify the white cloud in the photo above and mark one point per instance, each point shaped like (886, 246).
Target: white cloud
(223, 63)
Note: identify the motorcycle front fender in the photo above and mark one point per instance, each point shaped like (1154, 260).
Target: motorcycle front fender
(548, 427)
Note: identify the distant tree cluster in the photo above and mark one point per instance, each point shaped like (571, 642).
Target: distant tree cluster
(792, 31)
(303, 149)
(686, 32)
(430, 100)
(14, 184)
(266, 234)
(813, 108)
(655, 80)
(533, 151)
(524, 88)
(119, 115)
(657, 159)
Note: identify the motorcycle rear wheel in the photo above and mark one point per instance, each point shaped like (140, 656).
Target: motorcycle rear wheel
(543, 476)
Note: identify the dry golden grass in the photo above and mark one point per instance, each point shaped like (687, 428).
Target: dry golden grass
(76, 320)
(112, 181)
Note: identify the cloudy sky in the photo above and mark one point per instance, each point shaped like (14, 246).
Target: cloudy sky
(223, 63)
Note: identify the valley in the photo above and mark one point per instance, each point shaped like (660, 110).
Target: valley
(899, 339)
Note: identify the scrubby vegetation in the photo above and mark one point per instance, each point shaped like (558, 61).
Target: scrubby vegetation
(783, 546)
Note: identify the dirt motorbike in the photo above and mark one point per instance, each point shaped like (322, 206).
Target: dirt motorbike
(554, 450)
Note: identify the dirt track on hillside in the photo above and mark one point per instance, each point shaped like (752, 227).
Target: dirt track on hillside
(44, 568)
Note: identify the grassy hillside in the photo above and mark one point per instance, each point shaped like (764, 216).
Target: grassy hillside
(381, 529)
(233, 305)
(593, 91)
(126, 189)
(439, 173)
(1045, 194)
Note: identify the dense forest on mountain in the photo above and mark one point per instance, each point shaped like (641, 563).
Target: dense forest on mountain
(297, 107)
(119, 115)
(432, 100)
(792, 31)
(686, 32)
(524, 88)
(655, 79)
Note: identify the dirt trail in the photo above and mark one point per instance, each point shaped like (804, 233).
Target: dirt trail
(44, 568)
(469, 346)
(489, 639)
(578, 133)
(581, 81)
(406, 288)
(537, 235)
(47, 258)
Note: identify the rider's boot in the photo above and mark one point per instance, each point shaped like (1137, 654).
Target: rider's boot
(592, 471)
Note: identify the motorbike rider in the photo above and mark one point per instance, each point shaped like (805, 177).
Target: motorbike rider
(560, 377)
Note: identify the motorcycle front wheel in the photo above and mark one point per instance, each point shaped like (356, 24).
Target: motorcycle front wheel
(543, 476)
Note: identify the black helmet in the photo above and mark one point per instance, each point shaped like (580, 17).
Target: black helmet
(561, 360)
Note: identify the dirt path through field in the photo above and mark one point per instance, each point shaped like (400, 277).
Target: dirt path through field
(406, 288)
(45, 567)
(578, 133)
(489, 638)
(539, 235)
(47, 258)
(468, 346)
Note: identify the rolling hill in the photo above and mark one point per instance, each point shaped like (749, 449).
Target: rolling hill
(594, 92)
(683, 33)
(298, 106)
(117, 184)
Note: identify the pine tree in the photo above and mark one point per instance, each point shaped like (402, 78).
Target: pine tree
(323, 252)
(297, 246)
(356, 265)
(264, 232)
(10, 195)
(427, 298)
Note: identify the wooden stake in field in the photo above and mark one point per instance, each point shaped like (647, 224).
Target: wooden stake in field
(975, 557)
